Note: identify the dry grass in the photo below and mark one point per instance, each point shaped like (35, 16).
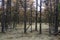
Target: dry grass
(17, 34)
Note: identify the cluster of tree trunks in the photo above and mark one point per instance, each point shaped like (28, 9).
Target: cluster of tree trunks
(6, 15)
(53, 17)
(6, 19)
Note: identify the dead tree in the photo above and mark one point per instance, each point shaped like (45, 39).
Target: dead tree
(56, 17)
(2, 17)
(40, 30)
(16, 14)
(36, 14)
(8, 13)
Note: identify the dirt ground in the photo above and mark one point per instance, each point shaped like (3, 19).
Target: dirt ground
(18, 34)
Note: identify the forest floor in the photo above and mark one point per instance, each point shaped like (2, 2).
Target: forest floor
(18, 34)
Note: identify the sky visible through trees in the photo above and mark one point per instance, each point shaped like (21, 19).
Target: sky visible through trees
(0, 2)
(39, 4)
(33, 4)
